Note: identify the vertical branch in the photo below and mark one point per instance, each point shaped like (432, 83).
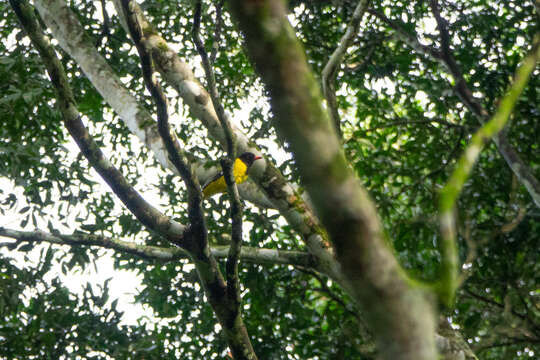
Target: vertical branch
(213, 282)
(227, 165)
(329, 72)
(450, 193)
(211, 80)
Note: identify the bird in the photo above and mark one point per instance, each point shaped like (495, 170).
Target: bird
(241, 167)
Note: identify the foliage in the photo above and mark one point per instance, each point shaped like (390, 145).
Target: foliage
(403, 127)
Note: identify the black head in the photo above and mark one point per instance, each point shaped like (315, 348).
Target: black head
(248, 158)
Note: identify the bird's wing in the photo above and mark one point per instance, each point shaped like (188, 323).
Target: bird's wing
(212, 179)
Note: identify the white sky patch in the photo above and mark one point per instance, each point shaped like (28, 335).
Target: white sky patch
(384, 85)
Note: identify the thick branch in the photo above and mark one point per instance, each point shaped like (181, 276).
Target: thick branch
(397, 312)
(452, 189)
(147, 214)
(329, 72)
(71, 36)
(73, 39)
(282, 195)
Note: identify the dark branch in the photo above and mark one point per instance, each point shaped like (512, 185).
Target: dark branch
(147, 214)
(233, 285)
(217, 31)
(176, 155)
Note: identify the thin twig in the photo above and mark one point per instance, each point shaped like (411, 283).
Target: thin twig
(211, 80)
(105, 31)
(330, 71)
(411, 122)
(164, 254)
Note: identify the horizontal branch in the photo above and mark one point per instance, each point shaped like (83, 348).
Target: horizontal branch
(248, 254)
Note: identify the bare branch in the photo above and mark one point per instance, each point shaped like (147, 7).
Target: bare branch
(78, 239)
(217, 31)
(208, 270)
(233, 284)
(330, 71)
(269, 178)
(71, 36)
(249, 254)
(211, 82)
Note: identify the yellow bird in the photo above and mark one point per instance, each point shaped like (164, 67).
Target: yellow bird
(241, 167)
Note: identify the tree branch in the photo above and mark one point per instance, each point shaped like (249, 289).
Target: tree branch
(329, 72)
(275, 186)
(249, 254)
(71, 36)
(233, 284)
(209, 273)
(450, 192)
(398, 313)
(211, 83)
(175, 153)
(147, 214)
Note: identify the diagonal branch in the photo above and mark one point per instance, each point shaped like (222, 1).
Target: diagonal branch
(71, 36)
(209, 273)
(330, 71)
(450, 192)
(211, 83)
(398, 312)
(275, 187)
(217, 30)
(175, 152)
(147, 214)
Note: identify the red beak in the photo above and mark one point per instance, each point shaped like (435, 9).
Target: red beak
(257, 157)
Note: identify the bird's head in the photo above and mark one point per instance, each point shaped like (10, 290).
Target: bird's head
(248, 158)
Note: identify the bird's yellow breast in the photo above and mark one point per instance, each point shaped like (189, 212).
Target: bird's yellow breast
(218, 185)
